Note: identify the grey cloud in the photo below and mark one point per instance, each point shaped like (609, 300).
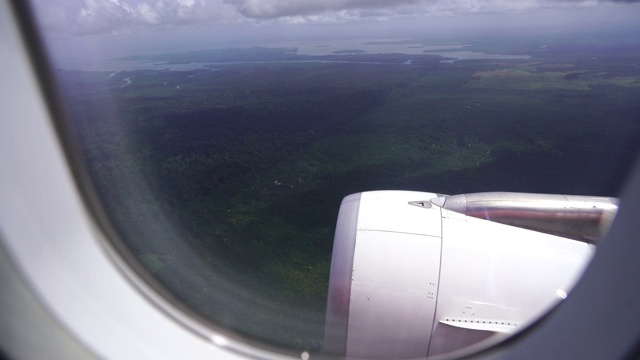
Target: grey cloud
(280, 8)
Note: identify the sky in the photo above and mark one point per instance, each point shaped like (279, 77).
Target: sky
(85, 17)
(123, 27)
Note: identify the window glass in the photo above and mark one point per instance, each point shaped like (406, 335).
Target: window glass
(221, 136)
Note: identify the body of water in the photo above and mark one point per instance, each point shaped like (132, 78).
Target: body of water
(449, 52)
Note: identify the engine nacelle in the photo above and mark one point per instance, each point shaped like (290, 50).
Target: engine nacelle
(413, 281)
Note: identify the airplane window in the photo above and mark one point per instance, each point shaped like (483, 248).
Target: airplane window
(395, 179)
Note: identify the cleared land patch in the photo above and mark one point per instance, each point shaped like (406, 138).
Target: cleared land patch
(535, 78)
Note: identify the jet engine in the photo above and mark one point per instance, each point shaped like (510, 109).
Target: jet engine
(411, 279)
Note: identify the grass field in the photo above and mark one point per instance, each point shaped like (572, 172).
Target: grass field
(532, 77)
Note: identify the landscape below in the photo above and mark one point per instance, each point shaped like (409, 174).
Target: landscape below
(225, 181)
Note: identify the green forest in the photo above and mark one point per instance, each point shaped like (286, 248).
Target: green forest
(225, 181)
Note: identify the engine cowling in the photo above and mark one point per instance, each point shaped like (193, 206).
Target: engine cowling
(415, 281)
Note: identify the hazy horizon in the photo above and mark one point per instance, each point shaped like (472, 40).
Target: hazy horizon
(94, 30)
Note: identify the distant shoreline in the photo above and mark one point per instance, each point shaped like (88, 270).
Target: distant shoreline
(204, 60)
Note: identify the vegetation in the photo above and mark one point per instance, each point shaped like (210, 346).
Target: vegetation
(226, 183)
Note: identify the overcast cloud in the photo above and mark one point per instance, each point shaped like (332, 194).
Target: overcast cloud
(84, 17)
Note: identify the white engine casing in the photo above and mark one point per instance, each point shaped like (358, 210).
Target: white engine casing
(409, 281)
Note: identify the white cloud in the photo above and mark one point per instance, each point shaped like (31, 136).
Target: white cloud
(82, 17)
(147, 14)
